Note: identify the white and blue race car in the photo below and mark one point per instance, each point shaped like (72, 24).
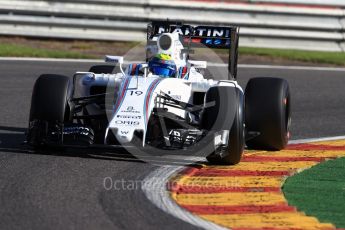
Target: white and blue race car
(165, 103)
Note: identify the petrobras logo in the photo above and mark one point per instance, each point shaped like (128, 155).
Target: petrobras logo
(201, 31)
(128, 116)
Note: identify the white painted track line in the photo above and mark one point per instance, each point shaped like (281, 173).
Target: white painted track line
(155, 189)
(311, 68)
(316, 139)
(50, 59)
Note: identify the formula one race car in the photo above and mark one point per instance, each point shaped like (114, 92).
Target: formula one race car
(164, 103)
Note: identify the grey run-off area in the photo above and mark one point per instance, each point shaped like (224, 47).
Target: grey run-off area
(65, 190)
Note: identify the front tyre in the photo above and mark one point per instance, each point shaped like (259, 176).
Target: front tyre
(49, 106)
(225, 115)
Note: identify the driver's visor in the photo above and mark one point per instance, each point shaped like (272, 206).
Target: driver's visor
(163, 72)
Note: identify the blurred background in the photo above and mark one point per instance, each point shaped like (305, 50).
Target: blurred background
(90, 28)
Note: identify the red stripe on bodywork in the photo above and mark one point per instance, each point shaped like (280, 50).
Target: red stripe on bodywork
(134, 67)
(123, 92)
(149, 95)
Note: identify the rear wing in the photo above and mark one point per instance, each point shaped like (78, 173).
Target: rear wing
(215, 37)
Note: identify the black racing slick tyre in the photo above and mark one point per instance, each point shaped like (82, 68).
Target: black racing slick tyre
(49, 106)
(268, 112)
(49, 98)
(225, 114)
(99, 69)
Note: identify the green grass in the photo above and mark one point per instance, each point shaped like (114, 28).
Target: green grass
(334, 58)
(14, 50)
(320, 192)
(11, 49)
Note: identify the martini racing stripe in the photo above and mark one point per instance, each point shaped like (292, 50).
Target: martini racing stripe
(148, 97)
(123, 91)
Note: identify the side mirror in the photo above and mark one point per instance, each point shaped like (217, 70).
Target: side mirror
(114, 59)
(144, 66)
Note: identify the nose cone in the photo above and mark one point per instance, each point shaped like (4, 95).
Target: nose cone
(124, 136)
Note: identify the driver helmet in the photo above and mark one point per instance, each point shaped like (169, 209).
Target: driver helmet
(163, 65)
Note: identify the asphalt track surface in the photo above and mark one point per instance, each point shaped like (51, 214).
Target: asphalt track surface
(65, 190)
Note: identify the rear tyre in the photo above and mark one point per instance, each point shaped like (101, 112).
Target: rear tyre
(99, 69)
(226, 114)
(268, 112)
(49, 106)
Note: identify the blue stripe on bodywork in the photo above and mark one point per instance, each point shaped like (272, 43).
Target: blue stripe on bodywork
(148, 97)
(122, 93)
